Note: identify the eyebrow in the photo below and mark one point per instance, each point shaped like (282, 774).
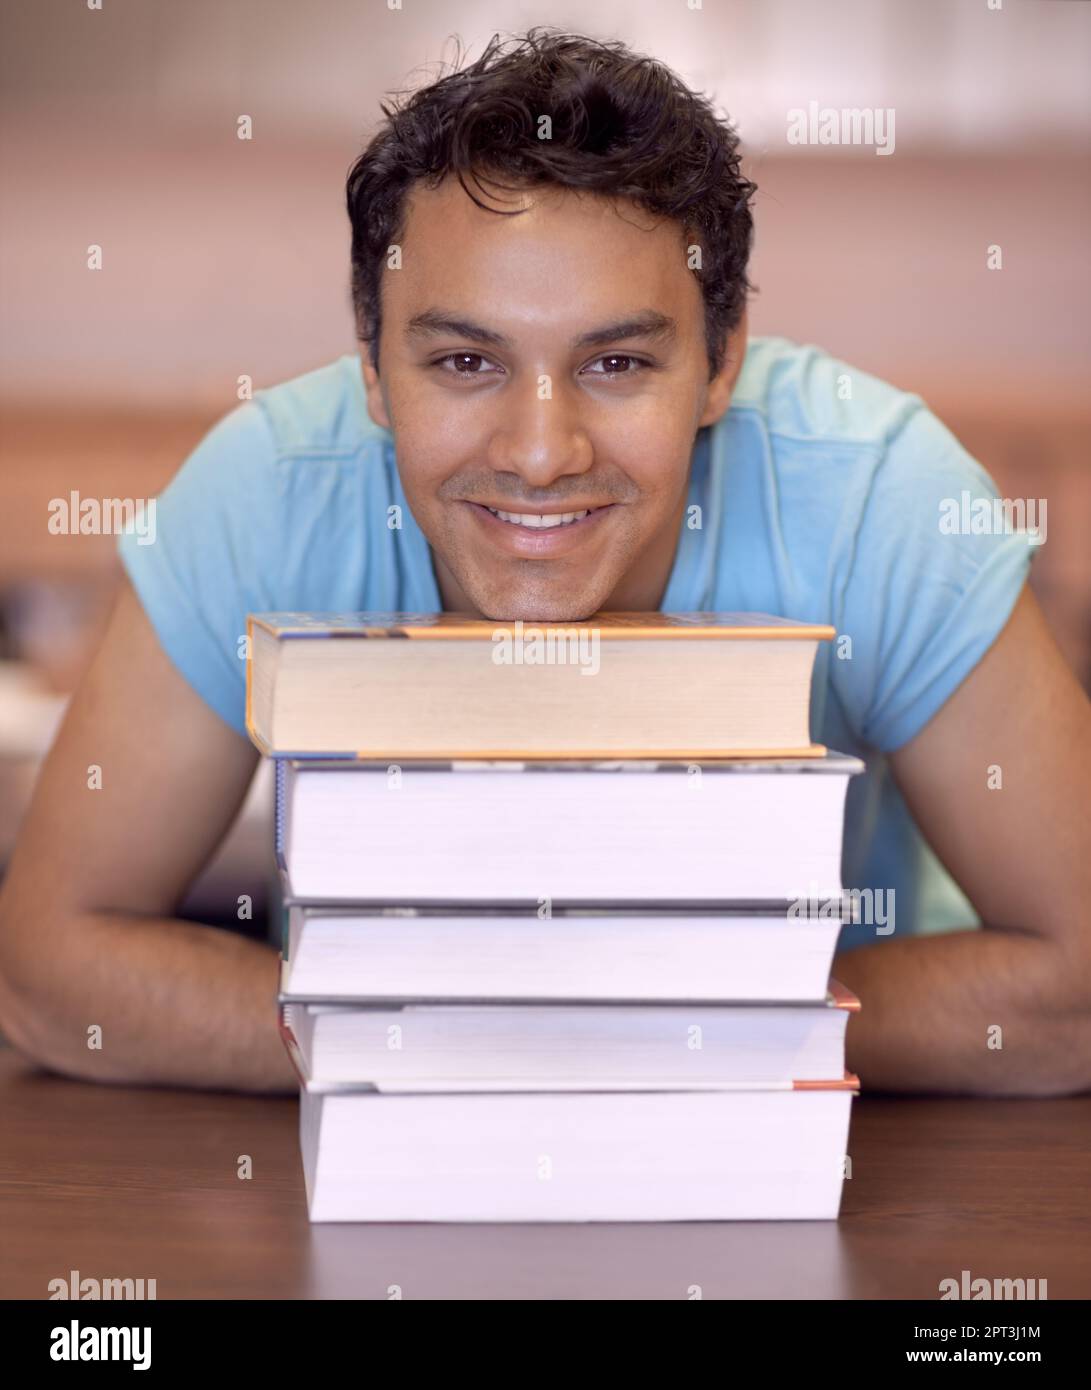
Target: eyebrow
(648, 323)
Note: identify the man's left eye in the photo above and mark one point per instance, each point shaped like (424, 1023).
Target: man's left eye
(631, 365)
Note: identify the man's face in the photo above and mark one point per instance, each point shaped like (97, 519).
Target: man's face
(544, 377)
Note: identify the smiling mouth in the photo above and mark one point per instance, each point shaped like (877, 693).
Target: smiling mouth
(541, 521)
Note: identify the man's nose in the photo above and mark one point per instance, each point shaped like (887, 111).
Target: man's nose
(541, 437)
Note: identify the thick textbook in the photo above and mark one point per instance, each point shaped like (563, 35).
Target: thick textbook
(715, 1154)
(592, 1047)
(571, 832)
(445, 685)
(472, 954)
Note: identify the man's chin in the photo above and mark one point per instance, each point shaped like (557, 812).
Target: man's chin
(538, 608)
(535, 613)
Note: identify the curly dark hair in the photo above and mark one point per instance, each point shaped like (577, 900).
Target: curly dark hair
(623, 125)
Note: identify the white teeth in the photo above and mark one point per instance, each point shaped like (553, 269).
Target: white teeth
(533, 520)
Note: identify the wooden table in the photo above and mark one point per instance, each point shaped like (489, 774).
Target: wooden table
(124, 1182)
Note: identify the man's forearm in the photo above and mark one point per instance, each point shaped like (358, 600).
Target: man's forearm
(176, 1003)
(982, 1012)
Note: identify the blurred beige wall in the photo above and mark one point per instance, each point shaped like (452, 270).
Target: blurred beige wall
(223, 257)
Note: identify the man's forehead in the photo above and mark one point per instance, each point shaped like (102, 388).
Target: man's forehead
(526, 210)
(602, 249)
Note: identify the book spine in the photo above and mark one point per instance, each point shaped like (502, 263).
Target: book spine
(280, 812)
(249, 675)
(291, 1044)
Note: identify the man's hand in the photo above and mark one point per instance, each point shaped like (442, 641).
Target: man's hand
(86, 929)
(1021, 852)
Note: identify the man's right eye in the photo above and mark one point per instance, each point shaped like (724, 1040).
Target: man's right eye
(464, 363)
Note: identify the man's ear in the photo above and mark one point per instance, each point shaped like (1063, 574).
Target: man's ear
(722, 385)
(376, 403)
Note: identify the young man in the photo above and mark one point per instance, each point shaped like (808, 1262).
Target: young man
(557, 412)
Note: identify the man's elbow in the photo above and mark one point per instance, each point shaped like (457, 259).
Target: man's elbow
(17, 1016)
(25, 1020)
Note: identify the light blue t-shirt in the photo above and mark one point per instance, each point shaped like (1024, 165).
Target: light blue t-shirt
(820, 493)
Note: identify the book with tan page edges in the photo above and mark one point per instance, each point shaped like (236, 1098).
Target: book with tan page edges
(445, 685)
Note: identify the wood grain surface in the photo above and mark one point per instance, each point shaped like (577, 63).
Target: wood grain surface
(126, 1182)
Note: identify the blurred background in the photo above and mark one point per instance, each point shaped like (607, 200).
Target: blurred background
(223, 257)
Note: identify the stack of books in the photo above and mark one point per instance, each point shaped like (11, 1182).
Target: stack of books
(561, 905)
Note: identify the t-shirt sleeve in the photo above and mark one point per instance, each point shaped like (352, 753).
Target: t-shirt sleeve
(207, 560)
(931, 582)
